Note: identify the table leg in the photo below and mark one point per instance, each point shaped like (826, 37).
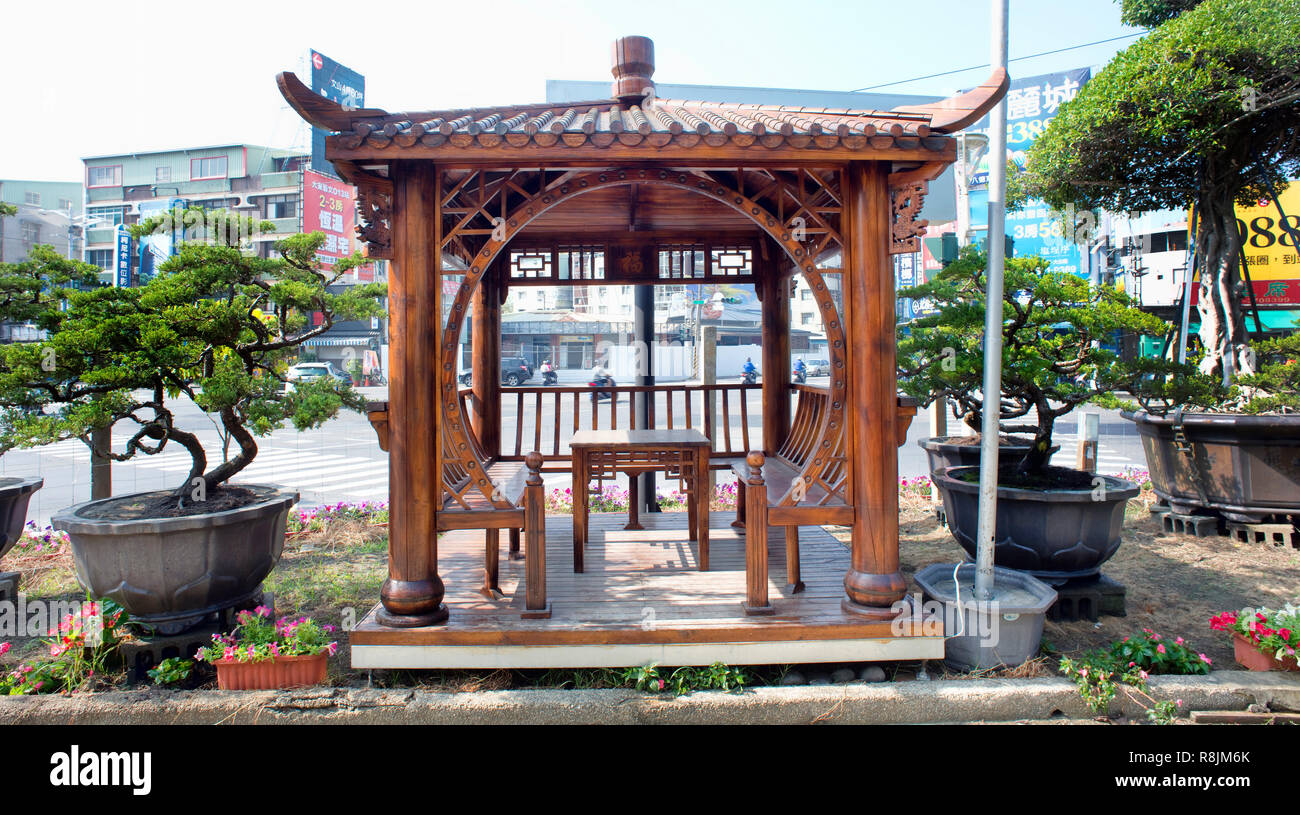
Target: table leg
(579, 509)
(633, 497)
(703, 496)
(692, 505)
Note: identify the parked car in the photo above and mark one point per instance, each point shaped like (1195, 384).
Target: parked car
(515, 371)
(818, 367)
(307, 371)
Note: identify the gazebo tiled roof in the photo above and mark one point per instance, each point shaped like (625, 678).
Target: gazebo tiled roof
(635, 117)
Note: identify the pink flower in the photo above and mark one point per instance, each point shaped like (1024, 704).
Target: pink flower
(262, 611)
(1160, 649)
(229, 652)
(1143, 674)
(1205, 659)
(4, 648)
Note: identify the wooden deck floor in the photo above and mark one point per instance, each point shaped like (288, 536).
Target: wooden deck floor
(640, 600)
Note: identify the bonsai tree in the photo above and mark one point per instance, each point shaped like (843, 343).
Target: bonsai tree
(1053, 357)
(1202, 112)
(32, 291)
(218, 326)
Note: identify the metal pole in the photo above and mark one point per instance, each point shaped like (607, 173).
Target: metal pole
(1185, 316)
(993, 322)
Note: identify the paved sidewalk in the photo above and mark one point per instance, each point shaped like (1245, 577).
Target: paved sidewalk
(911, 702)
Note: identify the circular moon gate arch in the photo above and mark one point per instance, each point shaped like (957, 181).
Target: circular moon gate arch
(455, 430)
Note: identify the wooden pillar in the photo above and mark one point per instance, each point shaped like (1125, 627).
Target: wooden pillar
(873, 582)
(485, 347)
(412, 594)
(536, 606)
(756, 602)
(775, 294)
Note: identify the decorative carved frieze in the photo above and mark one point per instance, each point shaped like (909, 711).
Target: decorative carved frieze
(907, 200)
(374, 219)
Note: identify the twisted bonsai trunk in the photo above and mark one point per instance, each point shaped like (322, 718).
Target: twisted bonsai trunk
(1218, 249)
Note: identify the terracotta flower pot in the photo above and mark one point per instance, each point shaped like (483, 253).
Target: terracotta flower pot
(1253, 659)
(273, 674)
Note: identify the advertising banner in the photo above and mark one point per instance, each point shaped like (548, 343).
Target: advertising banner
(1271, 254)
(122, 260)
(1032, 103)
(337, 83)
(329, 206)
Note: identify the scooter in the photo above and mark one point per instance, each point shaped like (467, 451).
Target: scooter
(748, 377)
(602, 382)
(801, 377)
(549, 378)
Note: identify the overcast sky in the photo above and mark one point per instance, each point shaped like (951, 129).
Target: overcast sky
(93, 78)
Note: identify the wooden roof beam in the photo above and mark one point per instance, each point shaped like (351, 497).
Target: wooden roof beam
(965, 109)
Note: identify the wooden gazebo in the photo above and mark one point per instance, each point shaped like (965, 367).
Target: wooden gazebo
(635, 189)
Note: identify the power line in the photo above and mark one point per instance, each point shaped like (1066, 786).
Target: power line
(985, 65)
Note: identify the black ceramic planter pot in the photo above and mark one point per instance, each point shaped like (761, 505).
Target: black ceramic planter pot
(1055, 535)
(1246, 468)
(944, 452)
(170, 573)
(15, 495)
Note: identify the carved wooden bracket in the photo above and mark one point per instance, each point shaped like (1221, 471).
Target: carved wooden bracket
(375, 214)
(907, 200)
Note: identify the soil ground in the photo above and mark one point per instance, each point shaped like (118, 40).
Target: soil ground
(1175, 584)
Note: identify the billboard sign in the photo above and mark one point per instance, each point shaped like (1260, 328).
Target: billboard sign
(122, 259)
(329, 206)
(338, 84)
(1271, 254)
(1032, 102)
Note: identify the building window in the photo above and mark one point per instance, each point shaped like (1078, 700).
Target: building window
(33, 198)
(109, 216)
(201, 168)
(104, 176)
(280, 206)
(806, 318)
(805, 294)
(162, 174)
(31, 233)
(214, 204)
(103, 258)
(65, 204)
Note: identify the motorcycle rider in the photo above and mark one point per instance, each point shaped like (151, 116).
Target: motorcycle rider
(600, 376)
(750, 371)
(548, 373)
(800, 371)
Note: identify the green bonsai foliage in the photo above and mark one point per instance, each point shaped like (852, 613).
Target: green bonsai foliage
(1201, 112)
(1052, 357)
(32, 291)
(216, 325)
(1273, 388)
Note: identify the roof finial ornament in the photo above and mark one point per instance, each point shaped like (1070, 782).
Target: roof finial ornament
(634, 67)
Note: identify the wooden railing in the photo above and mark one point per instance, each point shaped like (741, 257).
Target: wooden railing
(545, 418)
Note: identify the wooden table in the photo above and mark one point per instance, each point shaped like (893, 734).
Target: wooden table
(603, 454)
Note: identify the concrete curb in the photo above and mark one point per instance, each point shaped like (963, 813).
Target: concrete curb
(989, 700)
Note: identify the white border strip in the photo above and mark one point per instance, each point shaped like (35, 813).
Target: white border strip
(623, 655)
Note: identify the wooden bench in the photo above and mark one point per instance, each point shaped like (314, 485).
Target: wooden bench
(513, 499)
(774, 489)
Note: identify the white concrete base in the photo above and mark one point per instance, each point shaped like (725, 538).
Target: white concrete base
(619, 656)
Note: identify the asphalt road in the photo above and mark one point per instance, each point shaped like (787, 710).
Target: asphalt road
(341, 461)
